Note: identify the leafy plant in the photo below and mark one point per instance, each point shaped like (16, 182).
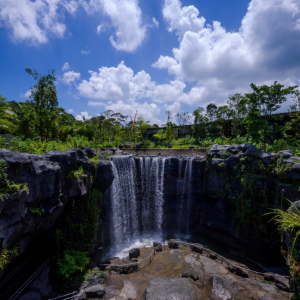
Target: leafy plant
(37, 211)
(3, 144)
(7, 186)
(72, 262)
(6, 255)
(76, 174)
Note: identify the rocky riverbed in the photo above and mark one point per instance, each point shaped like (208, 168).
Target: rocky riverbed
(183, 274)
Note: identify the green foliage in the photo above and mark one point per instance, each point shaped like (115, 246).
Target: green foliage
(37, 211)
(3, 144)
(7, 117)
(6, 255)
(7, 186)
(81, 224)
(77, 174)
(39, 147)
(72, 262)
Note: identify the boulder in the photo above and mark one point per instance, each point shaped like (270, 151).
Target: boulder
(81, 295)
(134, 253)
(282, 282)
(266, 157)
(238, 271)
(95, 291)
(157, 246)
(167, 288)
(197, 248)
(285, 153)
(213, 256)
(173, 244)
(88, 152)
(269, 276)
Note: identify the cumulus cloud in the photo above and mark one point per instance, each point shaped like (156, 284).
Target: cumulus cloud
(83, 116)
(35, 20)
(126, 18)
(149, 111)
(118, 83)
(70, 110)
(27, 94)
(65, 67)
(70, 76)
(155, 22)
(221, 62)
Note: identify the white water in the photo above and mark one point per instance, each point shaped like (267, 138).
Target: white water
(136, 211)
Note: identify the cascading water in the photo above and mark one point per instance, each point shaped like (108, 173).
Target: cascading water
(184, 194)
(137, 210)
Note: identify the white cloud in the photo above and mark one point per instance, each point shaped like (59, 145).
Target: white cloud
(83, 115)
(27, 94)
(35, 20)
(182, 19)
(102, 27)
(126, 18)
(70, 110)
(70, 76)
(65, 66)
(156, 23)
(116, 84)
(85, 52)
(221, 62)
(97, 103)
(149, 111)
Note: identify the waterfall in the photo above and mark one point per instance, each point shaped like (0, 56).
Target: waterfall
(184, 194)
(137, 209)
(123, 200)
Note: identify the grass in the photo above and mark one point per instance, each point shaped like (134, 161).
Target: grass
(76, 174)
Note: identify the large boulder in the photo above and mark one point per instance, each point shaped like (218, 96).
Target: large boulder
(134, 253)
(166, 288)
(282, 282)
(95, 291)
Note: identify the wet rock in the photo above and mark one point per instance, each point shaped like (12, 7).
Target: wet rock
(173, 244)
(185, 274)
(134, 253)
(282, 282)
(171, 288)
(158, 246)
(95, 291)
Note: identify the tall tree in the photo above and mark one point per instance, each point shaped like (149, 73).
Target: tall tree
(262, 102)
(44, 102)
(237, 111)
(169, 134)
(200, 123)
(7, 116)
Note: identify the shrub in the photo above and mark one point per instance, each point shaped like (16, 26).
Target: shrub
(76, 174)
(3, 144)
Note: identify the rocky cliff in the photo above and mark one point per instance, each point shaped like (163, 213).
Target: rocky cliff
(50, 190)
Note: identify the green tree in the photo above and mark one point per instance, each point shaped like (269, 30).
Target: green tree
(44, 102)
(169, 134)
(237, 111)
(211, 114)
(159, 136)
(222, 115)
(7, 116)
(262, 102)
(200, 124)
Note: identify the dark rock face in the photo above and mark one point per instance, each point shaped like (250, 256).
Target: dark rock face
(215, 181)
(50, 189)
(134, 253)
(173, 244)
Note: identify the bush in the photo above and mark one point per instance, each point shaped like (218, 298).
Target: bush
(71, 263)
(3, 144)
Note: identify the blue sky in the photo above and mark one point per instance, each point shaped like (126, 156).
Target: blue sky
(149, 55)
